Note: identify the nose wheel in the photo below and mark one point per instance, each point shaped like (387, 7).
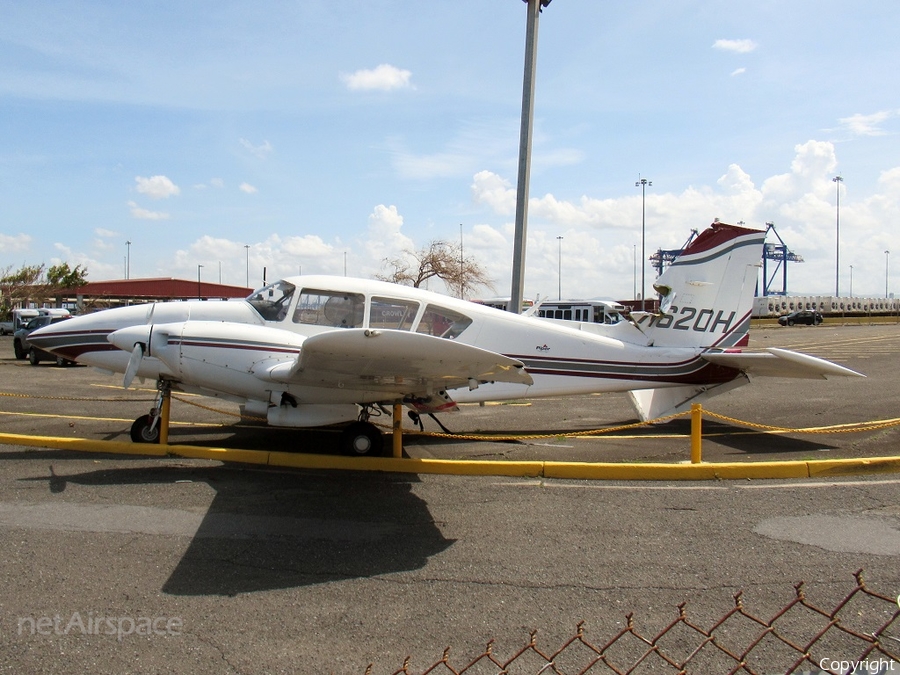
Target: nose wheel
(145, 429)
(154, 427)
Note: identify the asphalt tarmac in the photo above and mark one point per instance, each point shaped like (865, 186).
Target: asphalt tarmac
(118, 564)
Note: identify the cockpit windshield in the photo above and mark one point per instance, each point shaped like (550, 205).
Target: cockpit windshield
(273, 300)
(345, 309)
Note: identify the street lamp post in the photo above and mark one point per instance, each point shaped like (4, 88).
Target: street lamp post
(247, 248)
(559, 268)
(887, 258)
(199, 293)
(461, 279)
(851, 281)
(837, 245)
(526, 131)
(634, 271)
(643, 183)
(128, 260)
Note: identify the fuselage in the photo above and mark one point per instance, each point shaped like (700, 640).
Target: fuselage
(220, 347)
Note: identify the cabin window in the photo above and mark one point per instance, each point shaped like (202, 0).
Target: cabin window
(330, 308)
(273, 300)
(391, 313)
(442, 322)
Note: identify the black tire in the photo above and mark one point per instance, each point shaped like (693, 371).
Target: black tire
(33, 357)
(140, 430)
(61, 362)
(362, 439)
(790, 322)
(17, 348)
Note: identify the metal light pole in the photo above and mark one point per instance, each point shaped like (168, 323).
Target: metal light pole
(851, 281)
(199, 293)
(525, 135)
(837, 246)
(461, 280)
(559, 268)
(643, 183)
(128, 260)
(887, 258)
(634, 271)
(247, 247)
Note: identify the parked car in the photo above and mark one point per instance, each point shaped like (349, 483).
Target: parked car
(24, 349)
(805, 316)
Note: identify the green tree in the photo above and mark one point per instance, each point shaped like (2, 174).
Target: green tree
(30, 284)
(63, 276)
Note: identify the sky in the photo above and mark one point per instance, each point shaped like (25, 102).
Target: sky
(326, 136)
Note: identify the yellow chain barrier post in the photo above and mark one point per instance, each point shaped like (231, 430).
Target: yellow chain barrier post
(398, 430)
(164, 417)
(696, 433)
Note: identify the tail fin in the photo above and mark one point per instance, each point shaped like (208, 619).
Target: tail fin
(707, 292)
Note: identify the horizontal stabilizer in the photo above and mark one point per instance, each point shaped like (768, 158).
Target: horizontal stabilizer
(775, 362)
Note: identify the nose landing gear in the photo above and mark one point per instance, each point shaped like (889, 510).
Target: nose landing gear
(154, 427)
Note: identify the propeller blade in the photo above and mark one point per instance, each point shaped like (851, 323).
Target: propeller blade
(133, 364)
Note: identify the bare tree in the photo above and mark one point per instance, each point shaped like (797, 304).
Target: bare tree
(438, 259)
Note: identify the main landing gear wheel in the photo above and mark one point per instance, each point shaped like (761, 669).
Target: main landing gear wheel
(362, 439)
(144, 431)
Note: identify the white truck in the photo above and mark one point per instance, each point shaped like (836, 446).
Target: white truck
(18, 318)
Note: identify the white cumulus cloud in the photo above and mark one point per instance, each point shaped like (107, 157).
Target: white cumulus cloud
(381, 78)
(145, 214)
(156, 187)
(867, 125)
(737, 46)
(248, 189)
(260, 151)
(18, 242)
(495, 191)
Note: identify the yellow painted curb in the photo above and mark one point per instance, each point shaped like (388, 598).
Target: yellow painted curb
(702, 471)
(82, 445)
(846, 467)
(567, 470)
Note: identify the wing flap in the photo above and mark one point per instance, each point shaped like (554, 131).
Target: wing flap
(776, 362)
(396, 362)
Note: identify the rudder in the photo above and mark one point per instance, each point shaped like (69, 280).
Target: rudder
(707, 292)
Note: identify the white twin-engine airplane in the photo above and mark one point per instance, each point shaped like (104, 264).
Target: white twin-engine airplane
(319, 350)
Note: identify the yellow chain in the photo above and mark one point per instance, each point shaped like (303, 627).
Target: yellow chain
(851, 427)
(831, 429)
(75, 398)
(217, 410)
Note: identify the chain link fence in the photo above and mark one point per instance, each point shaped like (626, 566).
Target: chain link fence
(860, 634)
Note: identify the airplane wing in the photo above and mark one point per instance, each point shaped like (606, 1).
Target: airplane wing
(396, 362)
(775, 362)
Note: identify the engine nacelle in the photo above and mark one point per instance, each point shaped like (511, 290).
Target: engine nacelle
(311, 414)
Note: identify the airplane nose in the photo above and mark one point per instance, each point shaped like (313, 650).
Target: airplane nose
(45, 338)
